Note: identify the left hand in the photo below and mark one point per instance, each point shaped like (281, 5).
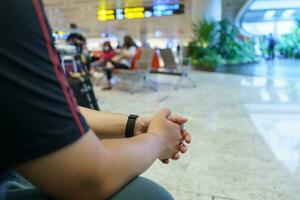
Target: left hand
(142, 124)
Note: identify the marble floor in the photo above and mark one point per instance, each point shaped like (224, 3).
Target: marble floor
(276, 68)
(246, 135)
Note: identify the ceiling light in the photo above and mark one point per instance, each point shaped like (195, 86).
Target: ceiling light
(269, 14)
(275, 4)
(158, 33)
(288, 13)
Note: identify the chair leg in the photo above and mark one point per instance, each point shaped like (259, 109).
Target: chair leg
(144, 81)
(178, 82)
(185, 76)
(152, 84)
(136, 84)
(191, 80)
(156, 86)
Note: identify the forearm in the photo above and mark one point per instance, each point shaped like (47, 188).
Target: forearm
(129, 158)
(105, 125)
(93, 169)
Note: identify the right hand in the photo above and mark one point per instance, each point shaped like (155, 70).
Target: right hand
(169, 133)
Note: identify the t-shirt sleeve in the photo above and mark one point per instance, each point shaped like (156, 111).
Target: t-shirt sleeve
(39, 114)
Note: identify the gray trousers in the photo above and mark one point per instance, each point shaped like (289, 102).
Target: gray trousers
(17, 188)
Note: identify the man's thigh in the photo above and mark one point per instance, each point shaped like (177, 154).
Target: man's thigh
(15, 187)
(27, 194)
(18, 188)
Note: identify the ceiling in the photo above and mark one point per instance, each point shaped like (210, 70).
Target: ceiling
(84, 13)
(272, 10)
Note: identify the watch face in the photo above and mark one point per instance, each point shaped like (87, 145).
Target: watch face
(133, 116)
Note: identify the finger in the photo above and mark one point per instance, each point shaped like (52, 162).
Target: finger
(177, 127)
(186, 136)
(165, 161)
(177, 119)
(183, 148)
(176, 156)
(163, 113)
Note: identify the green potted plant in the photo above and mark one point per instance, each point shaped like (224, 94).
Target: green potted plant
(219, 43)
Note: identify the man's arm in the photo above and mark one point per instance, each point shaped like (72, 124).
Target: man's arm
(93, 170)
(109, 125)
(127, 54)
(90, 169)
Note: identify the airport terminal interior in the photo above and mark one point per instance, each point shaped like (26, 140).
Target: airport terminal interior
(231, 66)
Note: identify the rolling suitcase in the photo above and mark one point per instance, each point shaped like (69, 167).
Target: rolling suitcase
(80, 83)
(83, 91)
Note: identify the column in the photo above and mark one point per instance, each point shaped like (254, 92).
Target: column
(209, 9)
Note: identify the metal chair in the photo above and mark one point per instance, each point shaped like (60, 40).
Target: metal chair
(140, 75)
(172, 68)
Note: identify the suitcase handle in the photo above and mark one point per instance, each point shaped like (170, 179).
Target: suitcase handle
(64, 59)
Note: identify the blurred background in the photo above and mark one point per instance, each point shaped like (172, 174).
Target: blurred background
(169, 23)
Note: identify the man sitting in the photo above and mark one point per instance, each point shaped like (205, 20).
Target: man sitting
(55, 144)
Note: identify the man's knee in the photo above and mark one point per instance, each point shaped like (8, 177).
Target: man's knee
(142, 188)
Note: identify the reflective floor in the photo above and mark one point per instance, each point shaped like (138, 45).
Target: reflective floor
(276, 68)
(246, 135)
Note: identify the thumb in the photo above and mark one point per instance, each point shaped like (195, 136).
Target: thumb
(163, 113)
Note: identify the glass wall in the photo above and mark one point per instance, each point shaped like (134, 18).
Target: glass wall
(263, 17)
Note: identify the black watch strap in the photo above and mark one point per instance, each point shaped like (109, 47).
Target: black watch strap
(129, 131)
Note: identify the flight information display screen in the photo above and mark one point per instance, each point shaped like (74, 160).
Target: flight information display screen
(140, 12)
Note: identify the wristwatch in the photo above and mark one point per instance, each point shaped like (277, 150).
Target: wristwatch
(129, 131)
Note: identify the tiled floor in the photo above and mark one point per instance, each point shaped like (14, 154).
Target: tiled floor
(246, 135)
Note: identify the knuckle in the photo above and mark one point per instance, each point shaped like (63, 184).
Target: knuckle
(176, 126)
(167, 110)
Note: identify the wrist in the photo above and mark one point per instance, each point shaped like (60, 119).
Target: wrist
(158, 140)
(140, 126)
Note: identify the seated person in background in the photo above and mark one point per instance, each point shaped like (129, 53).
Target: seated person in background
(106, 55)
(123, 59)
